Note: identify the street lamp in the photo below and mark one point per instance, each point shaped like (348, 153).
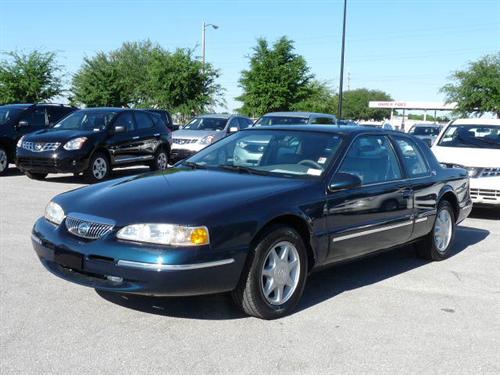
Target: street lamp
(342, 64)
(203, 30)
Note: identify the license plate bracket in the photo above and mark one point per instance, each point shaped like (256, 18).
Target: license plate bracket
(69, 259)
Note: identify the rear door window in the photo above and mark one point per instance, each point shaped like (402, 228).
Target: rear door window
(143, 121)
(413, 159)
(323, 120)
(126, 120)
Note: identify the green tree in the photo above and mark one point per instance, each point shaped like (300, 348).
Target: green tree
(355, 104)
(476, 90)
(28, 78)
(320, 99)
(277, 80)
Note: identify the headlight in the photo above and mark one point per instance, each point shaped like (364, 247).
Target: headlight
(473, 172)
(165, 234)
(20, 141)
(207, 140)
(75, 144)
(54, 213)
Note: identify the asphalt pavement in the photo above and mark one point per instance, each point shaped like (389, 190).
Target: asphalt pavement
(389, 314)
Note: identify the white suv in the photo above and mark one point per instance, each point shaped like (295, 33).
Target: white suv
(473, 144)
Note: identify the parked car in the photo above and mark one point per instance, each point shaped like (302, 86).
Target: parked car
(347, 122)
(204, 130)
(296, 118)
(474, 144)
(166, 117)
(426, 132)
(92, 141)
(17, 120)
(319, 195)
(378, 125)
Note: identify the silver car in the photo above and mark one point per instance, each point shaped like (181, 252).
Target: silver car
(204, 130)
(296, 118)
(426, 132)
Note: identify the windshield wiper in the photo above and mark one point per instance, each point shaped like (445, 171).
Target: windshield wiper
(237, 168)
(194, 165)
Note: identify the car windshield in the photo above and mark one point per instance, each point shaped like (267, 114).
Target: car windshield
(206, 123)
(7, 114)
(472, 136)
(281, 120)
(424, 130)
(281, 153)
(86, 120)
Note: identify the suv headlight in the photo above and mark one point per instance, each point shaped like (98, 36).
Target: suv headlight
(75, 144)
(165, 234)
(20, 141)
(207, 140)
(54, 213)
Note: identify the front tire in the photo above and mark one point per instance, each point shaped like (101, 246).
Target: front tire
(275, 275)
(4, 161)
(160, 162)
(36, 176)
(98, 170)
(437, 244)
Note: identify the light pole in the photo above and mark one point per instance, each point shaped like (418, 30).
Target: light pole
(203, 31)
(342, 64)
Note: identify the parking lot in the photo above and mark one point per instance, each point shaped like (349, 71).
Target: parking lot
(391, 313)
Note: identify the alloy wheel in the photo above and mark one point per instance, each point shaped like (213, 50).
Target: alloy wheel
(443, 230)
(99, 168)
(280, 273)
(3, 160)
(161, 161)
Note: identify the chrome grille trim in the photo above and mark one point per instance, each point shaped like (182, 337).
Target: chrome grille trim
(40, 146)
(95, 227)
(184, 141)
(490, 172)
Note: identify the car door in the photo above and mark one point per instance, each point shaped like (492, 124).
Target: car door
(376, 215)
(122, 144)
(34, 119)
(147, 137)
(233, 125)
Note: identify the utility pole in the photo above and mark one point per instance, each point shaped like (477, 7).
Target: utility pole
(203, 42)
(342, 63)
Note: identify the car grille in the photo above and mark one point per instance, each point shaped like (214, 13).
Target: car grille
(490, 172)
(184, 141)
(485, 194)
(40, 146)
(37, 162)
(87, 229)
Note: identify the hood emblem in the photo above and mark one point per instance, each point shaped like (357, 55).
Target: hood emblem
(38, 146)
(83, 229)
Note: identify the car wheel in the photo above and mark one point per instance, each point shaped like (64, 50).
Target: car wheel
(160, 162)
(437, 244)
(275, 275)
(98, 170)
(4, 161)
(36, 176)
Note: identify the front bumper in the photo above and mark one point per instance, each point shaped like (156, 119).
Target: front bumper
(485, 191)
(52, 162)
(118, 266)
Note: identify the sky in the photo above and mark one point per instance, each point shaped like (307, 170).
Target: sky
(407, 48)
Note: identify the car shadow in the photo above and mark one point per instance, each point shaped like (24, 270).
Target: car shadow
(321, 286)
(12, 172)
(485, 213)
(116, 173)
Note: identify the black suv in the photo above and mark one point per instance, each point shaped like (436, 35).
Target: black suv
(17, 120)
(94, 140)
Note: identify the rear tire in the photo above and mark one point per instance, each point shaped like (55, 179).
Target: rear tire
(160, 162)
(274, 278)
(4, 161)
(36, 176)
(98, 170)
(437, 244)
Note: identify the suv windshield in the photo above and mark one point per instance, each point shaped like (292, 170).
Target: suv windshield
(86, 120)
(281, 120)
(7, 114)
(287, 154)
(206, 123)
(424, 130)
(472, 136)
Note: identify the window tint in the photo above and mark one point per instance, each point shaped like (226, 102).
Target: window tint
(372, 159)
(36, 118)
(126, 120)
(143, 121)
(412, 158)
(244, 123)
(56, 113)
(323, 120)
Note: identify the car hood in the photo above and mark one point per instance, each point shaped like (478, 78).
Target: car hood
(198, 134)
(57, 135)
(468, 157)
(178, 196)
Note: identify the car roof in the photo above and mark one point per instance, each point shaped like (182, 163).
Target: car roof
(427, 125)
(332, 129)
(476, 121)
(217, 115)
(18, 105)
(110, 109)
(297, 114)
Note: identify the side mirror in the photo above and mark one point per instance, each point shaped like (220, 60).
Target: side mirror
(233, 129)
(119, 129)
(344, 181)
(23, 124)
